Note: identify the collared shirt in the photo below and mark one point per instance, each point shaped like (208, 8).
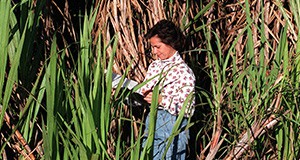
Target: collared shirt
(177, 83)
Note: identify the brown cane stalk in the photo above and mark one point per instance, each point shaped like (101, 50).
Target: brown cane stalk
(247, 138)
(28, 154)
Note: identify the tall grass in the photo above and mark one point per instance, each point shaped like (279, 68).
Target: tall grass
(84, 131)
(253, 100)
(253, 97)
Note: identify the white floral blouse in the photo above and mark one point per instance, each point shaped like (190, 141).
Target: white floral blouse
(177, 83)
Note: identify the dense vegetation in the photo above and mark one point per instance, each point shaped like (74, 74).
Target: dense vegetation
(57, 59)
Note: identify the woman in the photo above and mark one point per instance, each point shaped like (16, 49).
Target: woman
(177, 84)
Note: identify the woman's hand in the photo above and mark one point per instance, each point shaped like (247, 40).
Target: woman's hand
(148, 97)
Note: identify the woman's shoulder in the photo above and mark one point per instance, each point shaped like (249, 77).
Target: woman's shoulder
(183, 68)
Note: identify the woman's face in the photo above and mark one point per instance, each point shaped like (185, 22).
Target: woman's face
(160, 49)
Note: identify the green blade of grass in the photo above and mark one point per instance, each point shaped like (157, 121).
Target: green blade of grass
(51, 82)
(12, 76)
(4, 32)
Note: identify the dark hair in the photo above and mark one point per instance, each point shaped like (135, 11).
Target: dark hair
(169, 34)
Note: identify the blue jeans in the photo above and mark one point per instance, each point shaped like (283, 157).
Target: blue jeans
(163, 130)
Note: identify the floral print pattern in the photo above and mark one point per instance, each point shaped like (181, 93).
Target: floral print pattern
(177, 83)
